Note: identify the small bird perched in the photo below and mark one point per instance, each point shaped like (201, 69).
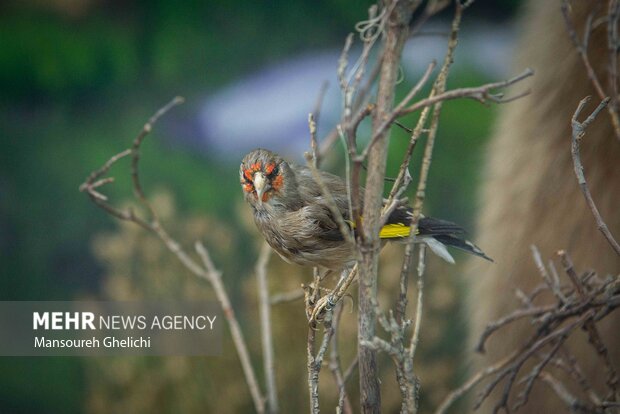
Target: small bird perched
(292, 213)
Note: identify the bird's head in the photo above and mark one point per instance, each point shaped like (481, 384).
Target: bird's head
(266, 178)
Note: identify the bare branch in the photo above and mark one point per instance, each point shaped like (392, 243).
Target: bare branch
(315, 361)
(582, 50)
(585, 301)
(579, 129)
(329, 301)
(593, 334)
(613, 46)
(572, 402)
(395, 34)
(135, 154)
(396, 111)
(479, 93)
(103, 170)
(534, 375)
(415, 338)
(313, 120)
(492, 327)
(451, 398)
(344, 404)
(266, 331)
(215, 277)
(207, 271)
(313, 142)
(554, 283)
(329, 199)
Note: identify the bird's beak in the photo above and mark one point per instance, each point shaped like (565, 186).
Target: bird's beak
(261, 185)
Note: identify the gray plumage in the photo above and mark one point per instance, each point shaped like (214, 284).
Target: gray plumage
(293, 215)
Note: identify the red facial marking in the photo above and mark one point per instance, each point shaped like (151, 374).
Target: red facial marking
(276, 183)
(248, 174)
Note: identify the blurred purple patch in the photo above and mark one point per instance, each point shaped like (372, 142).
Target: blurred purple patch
(270, 108)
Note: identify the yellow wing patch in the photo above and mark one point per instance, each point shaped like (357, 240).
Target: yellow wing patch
(391, 231)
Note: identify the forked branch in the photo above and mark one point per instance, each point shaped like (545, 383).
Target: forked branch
(204, 269)
(579, 130)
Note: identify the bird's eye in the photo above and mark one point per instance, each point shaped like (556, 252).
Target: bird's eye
(274, 171)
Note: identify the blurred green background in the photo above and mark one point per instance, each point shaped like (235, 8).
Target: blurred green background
(78, 79)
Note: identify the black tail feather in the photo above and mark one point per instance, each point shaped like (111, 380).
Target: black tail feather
(426, 225)
(462, 244)
(444, 231)
(432, 226)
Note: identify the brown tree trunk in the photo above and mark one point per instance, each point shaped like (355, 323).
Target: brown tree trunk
(396, 32)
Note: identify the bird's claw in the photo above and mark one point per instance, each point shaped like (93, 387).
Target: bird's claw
(322, 309)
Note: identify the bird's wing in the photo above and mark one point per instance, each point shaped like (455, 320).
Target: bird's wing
(311, 194)
(397, 225)
(399, 222)
(434, 227)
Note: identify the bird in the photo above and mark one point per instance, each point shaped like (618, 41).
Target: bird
(293, 215)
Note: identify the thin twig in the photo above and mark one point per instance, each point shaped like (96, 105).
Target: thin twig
(582, 50)
(554, 283)
(313, 375)
(404, 177)
(479, 93)
(415, 338)
(344, 404)
(266, 331)
(353, 174)
(215, 278)
(361, 102)
(568, 363)
(572, 402)
(593, 334)
(529, 380)
(135, 155)
(438, 89)
(474, 380)
(313, 142)
(613, 44)
(313, 120)
(329, 200)
(579, 130)
(586, 301)
(492, 327)
(207, 271)
(315, 361)
(399, 108)
(511, 371)
(329, 301)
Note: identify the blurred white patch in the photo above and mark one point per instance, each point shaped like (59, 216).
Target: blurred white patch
(438, 248)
